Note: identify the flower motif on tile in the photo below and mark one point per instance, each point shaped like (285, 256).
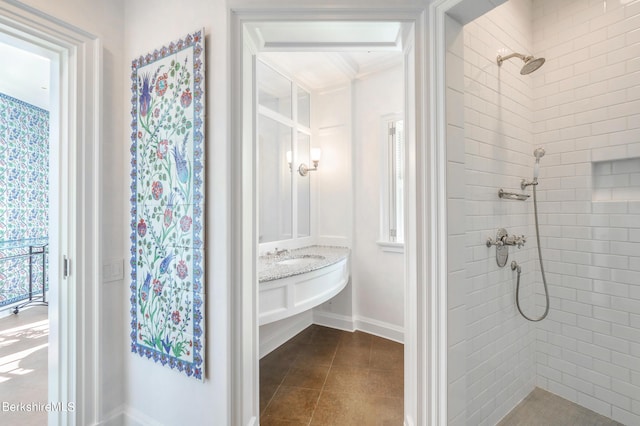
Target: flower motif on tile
(185, 223)
(167, 178)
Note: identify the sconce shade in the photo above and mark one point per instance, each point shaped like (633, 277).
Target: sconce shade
(316, 154)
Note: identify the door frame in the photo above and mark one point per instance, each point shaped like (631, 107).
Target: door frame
(425, 367)
(74, 308)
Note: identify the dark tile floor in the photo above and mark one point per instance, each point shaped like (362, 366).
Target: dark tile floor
(324, 377)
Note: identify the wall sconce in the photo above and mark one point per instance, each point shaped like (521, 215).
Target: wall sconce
(304, 170)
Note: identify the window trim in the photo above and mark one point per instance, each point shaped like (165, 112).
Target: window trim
(386, 242)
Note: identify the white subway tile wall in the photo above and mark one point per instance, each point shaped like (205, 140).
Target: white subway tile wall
(492, 357)
(583, 107)
(595, 85)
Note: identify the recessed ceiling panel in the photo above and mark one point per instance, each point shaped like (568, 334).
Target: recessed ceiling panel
(330, 36)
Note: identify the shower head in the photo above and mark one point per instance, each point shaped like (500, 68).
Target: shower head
(538, 153)
(530, 63)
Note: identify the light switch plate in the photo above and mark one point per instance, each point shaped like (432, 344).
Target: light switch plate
(113, 270)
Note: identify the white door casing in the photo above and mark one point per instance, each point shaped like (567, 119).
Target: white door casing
(425, 382)
(74, 311)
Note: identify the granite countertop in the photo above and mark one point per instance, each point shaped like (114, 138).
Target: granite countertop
(271, 267)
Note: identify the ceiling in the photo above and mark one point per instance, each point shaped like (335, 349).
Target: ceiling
(24, 75)
(324, 54)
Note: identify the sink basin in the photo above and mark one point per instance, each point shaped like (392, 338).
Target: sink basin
(300, 261)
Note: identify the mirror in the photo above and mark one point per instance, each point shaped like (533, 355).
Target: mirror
(274, 142)
(274, 90)
(304, 187)
(304, 108)
(284, 143)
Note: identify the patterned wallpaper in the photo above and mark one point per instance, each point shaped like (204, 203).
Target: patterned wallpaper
(24, 170)
(24, 190)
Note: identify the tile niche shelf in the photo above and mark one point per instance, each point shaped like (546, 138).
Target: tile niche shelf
(616, 180)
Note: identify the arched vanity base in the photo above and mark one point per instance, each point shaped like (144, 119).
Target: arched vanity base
(300, 280)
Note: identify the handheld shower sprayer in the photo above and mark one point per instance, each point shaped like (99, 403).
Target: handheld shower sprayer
(538, 153)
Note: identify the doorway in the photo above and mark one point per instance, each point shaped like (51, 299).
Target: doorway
(357, 335)
(27, 156)
(73, 383)
(244, 233)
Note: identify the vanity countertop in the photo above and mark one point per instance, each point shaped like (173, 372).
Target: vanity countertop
(299, 261)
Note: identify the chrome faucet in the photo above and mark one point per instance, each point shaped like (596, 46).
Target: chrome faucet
(505, 239)
(277, 252)
(514, 240)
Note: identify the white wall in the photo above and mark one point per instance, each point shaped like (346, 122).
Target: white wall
(105, 20)
(378, 276)
(348, 120)
(331, 121)
(491, 347)
(587, 112)
(498, 135)
(582, 107)
(156, 394)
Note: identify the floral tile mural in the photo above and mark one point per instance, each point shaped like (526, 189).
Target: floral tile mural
(24, 195)
(167, 205)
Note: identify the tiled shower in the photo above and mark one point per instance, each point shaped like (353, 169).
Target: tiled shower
(583, 107)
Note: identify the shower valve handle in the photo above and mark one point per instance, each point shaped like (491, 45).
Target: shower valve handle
(492, 242)
(514, 240)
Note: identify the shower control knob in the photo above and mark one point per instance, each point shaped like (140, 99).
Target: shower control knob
(522, 240)
(514, 240)
(492, 242)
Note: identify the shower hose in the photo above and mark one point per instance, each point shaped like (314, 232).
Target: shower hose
(544, 279)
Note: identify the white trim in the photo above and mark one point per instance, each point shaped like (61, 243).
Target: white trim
(281, 119)
(379, 66)
(419, 366)
(380, 328)
(385, 173)
(368, 325)
(295, 326)
(390, 247)
(333, 320)
(243, 395)
(437, 224)
(116, 417)
(284, 46)
(74, 368)
(133, 417)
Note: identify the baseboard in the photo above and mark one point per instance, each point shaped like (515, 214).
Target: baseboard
(287, 328)
(380, 328)
(133, 417)
(114, 418)
(330, 319)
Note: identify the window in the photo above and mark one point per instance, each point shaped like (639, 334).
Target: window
(392, 238)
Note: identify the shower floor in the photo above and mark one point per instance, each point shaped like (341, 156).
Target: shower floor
(542, 408)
